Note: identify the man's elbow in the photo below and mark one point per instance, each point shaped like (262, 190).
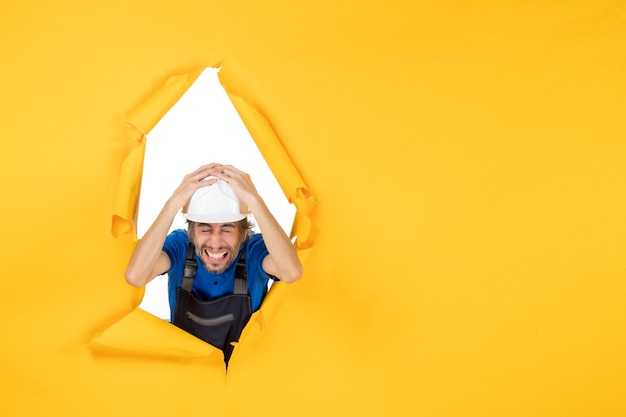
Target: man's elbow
(133, 279)
(292, 275)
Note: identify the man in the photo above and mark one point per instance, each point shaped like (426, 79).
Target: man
(218, 270)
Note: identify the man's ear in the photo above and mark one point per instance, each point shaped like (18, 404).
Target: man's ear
(245, 236)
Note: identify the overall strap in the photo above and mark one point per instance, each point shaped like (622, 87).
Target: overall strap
(189, 273)
(241, 275)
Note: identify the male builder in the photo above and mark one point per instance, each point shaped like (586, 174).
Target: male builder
(218, 270)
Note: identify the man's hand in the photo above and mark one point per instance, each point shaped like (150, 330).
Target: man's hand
(240, 182)
(191, 182)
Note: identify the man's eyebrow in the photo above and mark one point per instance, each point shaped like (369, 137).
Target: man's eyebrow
(229, 225)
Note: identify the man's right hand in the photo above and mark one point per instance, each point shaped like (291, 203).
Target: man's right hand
(191, 182)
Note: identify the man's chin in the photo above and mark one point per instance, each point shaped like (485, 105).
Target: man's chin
(217, 268)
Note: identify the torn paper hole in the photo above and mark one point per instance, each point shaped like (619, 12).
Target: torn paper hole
(202, 127)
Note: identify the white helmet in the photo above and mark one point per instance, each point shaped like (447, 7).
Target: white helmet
(215, 203)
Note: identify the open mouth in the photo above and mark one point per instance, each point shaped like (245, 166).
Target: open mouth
(216, 255)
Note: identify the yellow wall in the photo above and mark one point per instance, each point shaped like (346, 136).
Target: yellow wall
(467, 160)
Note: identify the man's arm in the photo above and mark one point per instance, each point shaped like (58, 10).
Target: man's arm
(282, 261)
(148, 259)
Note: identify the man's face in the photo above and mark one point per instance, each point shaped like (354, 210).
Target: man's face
(217, 244)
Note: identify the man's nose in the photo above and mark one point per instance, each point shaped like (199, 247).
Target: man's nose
(215, 237)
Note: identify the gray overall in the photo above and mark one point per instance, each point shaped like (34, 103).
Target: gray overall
(219, 321)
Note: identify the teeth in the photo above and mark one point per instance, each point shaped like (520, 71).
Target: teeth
(217, 257)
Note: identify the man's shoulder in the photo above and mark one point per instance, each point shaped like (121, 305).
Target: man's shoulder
(175, 244)
(178, 234)
(256, 249)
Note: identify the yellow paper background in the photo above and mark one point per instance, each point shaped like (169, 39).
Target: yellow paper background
(467, 164)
